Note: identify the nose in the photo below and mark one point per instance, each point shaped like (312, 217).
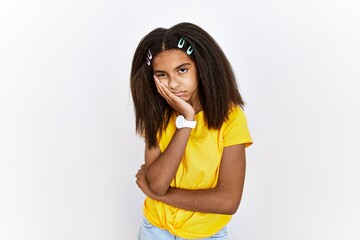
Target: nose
(174, 83)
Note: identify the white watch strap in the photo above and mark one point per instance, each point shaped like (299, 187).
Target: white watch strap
(190, 124)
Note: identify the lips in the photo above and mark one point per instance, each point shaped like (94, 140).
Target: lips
(179, 93)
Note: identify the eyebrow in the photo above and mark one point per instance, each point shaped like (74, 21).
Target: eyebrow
(176, 68)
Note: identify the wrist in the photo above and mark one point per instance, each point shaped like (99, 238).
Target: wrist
(182, 122)
(189, 117)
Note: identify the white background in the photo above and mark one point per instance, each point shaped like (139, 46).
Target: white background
(68, 149)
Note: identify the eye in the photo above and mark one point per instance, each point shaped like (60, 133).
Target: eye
(160, 75)
(183, 70)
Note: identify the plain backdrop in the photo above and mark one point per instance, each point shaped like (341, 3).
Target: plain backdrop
(68, 149)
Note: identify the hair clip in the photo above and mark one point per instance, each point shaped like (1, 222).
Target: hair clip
(189, 50)
(148, 57)
(181, 43)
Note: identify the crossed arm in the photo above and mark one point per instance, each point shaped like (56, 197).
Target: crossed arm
(155, 176)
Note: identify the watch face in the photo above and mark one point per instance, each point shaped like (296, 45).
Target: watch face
(179, 121)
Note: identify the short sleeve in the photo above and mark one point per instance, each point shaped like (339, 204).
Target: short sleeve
(235, 129)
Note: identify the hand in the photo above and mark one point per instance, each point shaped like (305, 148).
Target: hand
(177, 103)
(142, 182)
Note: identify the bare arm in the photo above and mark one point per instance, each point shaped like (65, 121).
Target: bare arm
(161, 167)
(224, 198)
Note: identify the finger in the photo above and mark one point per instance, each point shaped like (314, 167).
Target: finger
(159, 86)
(140, 172)
(163, 90)
(167, 93)
(156, 79)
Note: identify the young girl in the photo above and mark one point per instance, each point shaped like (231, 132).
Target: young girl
(189, 109)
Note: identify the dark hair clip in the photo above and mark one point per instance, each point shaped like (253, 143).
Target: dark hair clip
(148, 57)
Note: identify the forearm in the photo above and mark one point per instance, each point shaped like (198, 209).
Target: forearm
(214, 200)
(161, 171)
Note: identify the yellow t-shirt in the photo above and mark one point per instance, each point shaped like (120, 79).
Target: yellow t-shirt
(199, 169)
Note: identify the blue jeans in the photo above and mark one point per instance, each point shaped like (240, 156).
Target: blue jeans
(150, 232)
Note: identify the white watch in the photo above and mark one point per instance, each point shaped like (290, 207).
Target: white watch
(181, 122)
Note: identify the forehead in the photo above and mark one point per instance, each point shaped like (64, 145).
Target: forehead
(171, 59)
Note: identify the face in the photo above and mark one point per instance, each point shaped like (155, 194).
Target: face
(177, 71)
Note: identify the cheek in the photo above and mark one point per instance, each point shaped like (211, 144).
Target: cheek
(193, 82)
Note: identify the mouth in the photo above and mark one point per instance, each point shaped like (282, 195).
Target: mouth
(179, 93)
